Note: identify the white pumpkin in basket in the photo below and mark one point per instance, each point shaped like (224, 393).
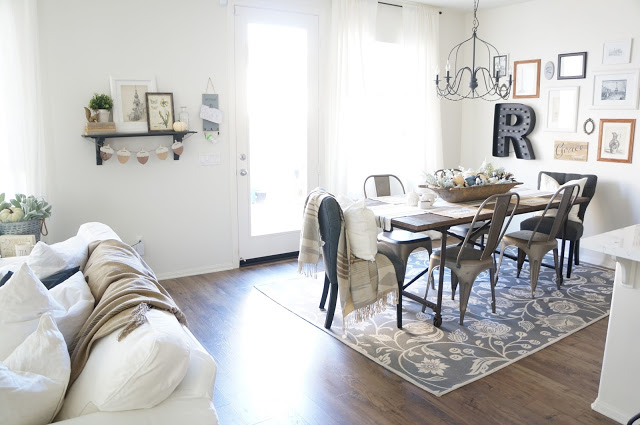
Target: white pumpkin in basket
(11, 215)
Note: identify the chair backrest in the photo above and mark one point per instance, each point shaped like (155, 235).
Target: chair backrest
(568, 195)
(330, 220)
(588, 191)
(498, 226)
(382, 183)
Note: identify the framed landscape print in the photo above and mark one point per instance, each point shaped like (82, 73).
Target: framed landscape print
(616, 90)
(526, 79)
(129, 107)
(616, 140)
(160, 111)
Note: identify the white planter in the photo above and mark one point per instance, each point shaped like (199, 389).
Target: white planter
(103, 115)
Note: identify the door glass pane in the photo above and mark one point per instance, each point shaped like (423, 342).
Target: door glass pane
(277, 93)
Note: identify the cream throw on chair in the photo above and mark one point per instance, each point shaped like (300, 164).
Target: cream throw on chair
(365, 287)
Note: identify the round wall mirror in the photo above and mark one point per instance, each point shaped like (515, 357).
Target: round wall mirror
(589, 126)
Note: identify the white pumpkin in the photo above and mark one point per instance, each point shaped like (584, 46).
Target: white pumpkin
(11, 215)
(179, 126)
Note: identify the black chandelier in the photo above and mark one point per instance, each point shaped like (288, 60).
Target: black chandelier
(491, 90)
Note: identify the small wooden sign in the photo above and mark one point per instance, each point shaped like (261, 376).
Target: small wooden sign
(571, 151)
(8, 243)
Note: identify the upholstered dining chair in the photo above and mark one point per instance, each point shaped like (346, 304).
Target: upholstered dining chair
(330, 219)
(574, 229)
(466, 262)
(535, 244)
(402, 242)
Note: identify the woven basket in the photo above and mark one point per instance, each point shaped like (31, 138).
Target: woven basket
(31, 227)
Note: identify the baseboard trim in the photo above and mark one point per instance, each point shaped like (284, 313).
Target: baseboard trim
(610, 411)
(194, 272)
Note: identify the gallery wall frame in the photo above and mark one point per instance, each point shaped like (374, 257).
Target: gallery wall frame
(616, 52)
(615, 143)
(500, 64)
(526, 79)
(572, 65)
(562, 109)
(616, 90)
(129, 106)
(160, 115)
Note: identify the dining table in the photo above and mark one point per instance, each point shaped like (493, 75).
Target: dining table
(393, 212)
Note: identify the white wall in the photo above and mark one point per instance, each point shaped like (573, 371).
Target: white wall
(542, 29)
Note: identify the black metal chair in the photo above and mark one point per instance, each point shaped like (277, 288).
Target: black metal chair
(634, 419)
(402, 242)
(574, 230)
(330, 220)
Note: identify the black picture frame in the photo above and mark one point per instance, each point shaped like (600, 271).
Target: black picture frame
(500, 63)
(160, 103)
(572, 66)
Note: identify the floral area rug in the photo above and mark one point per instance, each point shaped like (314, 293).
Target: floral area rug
(442, 359)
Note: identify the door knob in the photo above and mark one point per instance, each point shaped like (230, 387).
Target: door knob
(243, 172)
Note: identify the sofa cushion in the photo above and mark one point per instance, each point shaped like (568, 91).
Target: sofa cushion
(75, 298)
(56, 279)
(33, 379)
(136, 372)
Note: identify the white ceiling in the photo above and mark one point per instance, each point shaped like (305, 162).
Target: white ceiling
(467, 5)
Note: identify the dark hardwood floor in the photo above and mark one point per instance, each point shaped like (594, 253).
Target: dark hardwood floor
(275, 368)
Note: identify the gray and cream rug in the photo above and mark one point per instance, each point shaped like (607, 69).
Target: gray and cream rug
(442, 359)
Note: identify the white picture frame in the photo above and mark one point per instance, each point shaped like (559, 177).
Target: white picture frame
(616, 90)
(129, 105)
(616, 52)
(562, 109)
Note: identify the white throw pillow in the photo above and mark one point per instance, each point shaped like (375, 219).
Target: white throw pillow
(137, 372)
(24, 299)
(550, 184)
(34, 378)
(74, 251)
(360, 223)
(44, 261)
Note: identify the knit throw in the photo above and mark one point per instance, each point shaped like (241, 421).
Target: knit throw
(365, 287)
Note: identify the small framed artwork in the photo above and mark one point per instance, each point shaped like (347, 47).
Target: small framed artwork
(616, 140)
(500, 66)
(160, 111)
(16, 245)
(616, 90)
(616, 52)
(571, 151)
(129, 107)
(526, 78)
(572, 65)
(562, 109)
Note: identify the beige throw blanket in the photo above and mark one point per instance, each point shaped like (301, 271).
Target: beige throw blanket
(124, 288)
(365, 287)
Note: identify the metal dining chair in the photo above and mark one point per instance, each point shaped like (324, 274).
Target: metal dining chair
(466, 262)
(402, 242)
(535, 244)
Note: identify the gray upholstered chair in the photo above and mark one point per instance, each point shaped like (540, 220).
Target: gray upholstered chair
(466, 262)
(402, 242)
(330, 218)
(535, 244)
(574, 229)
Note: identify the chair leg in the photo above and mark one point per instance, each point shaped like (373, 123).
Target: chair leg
(558, 271)
(429, 279)
(454, 285)
(399, 306)
(333, 298)
(577, 253)
(502, 248)
(534, 272)
(521, 256)
(570, 261)
(325, 292)
(492, 277)
(465, 292)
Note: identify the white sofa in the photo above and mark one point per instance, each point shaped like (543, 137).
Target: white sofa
(191, 402)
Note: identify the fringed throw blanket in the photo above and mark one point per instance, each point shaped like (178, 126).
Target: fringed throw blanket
(124, 288)
(365, 287)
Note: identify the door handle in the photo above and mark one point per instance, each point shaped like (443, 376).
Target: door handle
(243, 172)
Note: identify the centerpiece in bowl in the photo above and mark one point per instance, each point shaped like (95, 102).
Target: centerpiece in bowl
(458, 185)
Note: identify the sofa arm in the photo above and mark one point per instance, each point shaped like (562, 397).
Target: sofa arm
(95, 231)
(201, 374)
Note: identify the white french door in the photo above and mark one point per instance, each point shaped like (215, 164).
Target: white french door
(276, 71)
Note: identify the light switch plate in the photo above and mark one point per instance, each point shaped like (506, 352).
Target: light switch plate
(212, 158)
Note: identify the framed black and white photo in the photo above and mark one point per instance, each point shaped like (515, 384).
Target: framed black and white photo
(616, 140)
(562, 109)
(129, 107)
(572, 65)
(500, 66)
(616, 90)
(616, 52)
(526, 78)
(160, 111)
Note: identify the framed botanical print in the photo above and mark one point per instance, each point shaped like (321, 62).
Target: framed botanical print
(526, 78)
(129, 107)
(160, 111)
(616, 140)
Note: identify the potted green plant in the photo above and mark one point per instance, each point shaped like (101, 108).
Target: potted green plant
(23, 215)
(103, 104)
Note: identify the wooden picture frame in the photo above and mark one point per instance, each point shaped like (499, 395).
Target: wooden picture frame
(160, 116)
(615, 143)
(526, 79)
(129, 107)
(572, 65)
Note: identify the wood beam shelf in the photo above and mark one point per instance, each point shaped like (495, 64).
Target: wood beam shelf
(99, 139)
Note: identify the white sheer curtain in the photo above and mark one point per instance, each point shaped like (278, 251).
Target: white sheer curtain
(385, 115)
(22, 148)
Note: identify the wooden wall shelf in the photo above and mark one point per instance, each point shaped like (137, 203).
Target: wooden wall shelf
(99, 139)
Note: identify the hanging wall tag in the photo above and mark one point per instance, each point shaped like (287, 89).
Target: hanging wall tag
(211, 114)
(210, 101)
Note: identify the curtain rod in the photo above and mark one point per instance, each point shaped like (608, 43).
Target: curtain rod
(399, 5)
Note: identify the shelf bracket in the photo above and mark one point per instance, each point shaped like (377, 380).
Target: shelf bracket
(177, 138)
(99, 144)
